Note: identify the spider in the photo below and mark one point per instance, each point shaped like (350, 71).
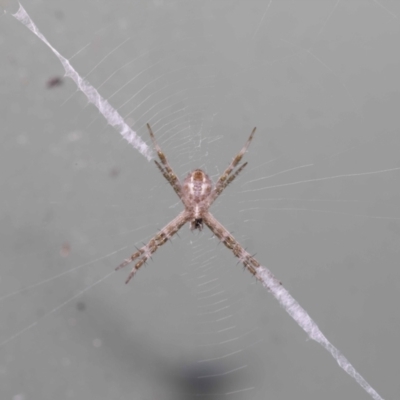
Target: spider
(197, 195)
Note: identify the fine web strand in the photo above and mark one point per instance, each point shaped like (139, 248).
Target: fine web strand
(30, 287)
(110, 114)
(385, 8)
(279, 173)
(262, 19)
(19, 333)
(319, 179)
(364, 216)
(293, 308)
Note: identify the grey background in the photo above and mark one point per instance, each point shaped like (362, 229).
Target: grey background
(319, 79)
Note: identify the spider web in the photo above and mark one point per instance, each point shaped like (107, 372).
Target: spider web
(319, 80)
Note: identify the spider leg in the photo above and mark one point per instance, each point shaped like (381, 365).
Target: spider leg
(167, 177)
(145, 252)
(249, 262)
(220, 185)
(167, 171)
(219, 189)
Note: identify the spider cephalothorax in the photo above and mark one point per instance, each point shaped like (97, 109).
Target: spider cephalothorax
(197, 194)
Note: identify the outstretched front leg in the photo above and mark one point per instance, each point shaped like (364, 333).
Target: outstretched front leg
(165, 168)
(145, 252)
(226, 178)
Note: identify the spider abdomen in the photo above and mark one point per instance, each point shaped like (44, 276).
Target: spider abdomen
(196, 195)
(197, 186)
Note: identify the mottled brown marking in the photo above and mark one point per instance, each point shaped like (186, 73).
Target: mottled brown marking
(198, 175)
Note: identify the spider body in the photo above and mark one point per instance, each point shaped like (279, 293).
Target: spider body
(197, 193)
(196, 190)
